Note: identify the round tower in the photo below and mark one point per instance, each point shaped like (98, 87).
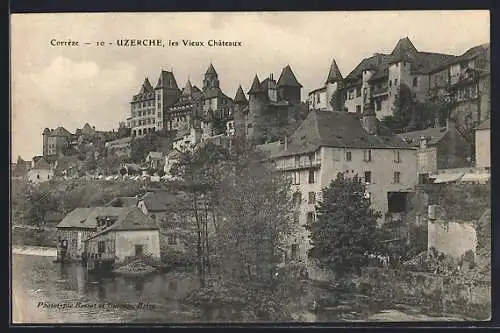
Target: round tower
(45, 136)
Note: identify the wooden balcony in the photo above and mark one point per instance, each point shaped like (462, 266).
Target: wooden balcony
(300, 166)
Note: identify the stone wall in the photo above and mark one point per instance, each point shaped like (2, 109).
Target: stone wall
(452, 238)
(431, 292)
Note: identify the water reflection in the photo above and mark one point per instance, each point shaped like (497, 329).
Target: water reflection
(38, 279)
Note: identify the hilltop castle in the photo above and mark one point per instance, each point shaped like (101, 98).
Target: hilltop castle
(209, 112)
(375, 81)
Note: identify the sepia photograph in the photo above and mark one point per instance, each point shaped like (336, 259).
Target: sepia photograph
(250, 167)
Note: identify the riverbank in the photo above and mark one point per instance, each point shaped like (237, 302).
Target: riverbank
(26, 236)
(34, 251)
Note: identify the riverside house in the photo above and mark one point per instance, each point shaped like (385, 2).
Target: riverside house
(72, 231)
(328, 143)
(122, 233)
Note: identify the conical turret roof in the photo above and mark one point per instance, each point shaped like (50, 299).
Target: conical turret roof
(211, 70)
(188, 89)
(288, 79)
(255, 88)
(402, 50)
(334, 75)
(146, 87)
(240, 96)
(167, 80)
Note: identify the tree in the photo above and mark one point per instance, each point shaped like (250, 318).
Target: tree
(345, 227)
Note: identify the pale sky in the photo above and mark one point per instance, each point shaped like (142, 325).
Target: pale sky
(68, 86)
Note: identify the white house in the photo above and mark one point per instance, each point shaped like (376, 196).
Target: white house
(327, 143)
(41, 171)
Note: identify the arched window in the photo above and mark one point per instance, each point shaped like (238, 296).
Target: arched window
(140, 132)
(37, 176)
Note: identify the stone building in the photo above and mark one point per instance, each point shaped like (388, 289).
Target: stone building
(149, 107)
(273, 107)
(42, 171)
(379, 77)
(327, 143)
(122, 234)
(329, 97)
(438, 148)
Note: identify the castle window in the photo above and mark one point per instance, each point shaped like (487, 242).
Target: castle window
(415, 82)
(397, 176)
(358, 108)
(348, 156)
(368, 155)
(378, 105)
(311, 176)
(395, 82)
(312, 198)
(296, 178)
(368, 177)
(390, 83)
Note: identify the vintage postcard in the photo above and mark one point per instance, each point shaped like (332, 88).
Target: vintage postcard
(244, 167)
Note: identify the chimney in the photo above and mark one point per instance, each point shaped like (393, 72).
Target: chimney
(369, 119)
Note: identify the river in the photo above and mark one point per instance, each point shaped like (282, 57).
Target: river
(45, 292)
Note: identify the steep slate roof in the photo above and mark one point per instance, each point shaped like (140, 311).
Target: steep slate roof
(188, 89)
(41, 164)
(211, 70)
(145, 88)
(36, 158)
(434, 135)
(159, 201)
(256, 87)
(334, 74)
(472, 53)
(403, 48)
(240, 96)
(124, 201)
(166, 80)
(61, 131)
(484, 125)
(287, 78)
(338, 129)
(423, 62)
